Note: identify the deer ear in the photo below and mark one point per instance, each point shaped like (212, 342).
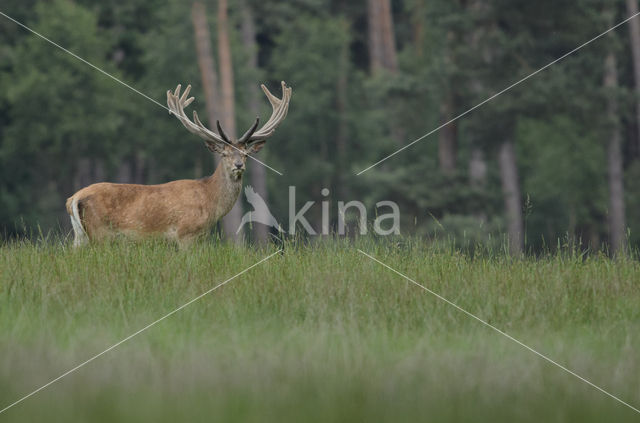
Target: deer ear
(256, 146)
(213, 146)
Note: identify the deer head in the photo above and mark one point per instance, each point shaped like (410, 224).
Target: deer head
(233, 152)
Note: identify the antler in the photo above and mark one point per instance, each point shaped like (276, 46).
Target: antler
(280, 108)
(177, 104)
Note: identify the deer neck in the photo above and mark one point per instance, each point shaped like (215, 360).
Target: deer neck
(224, 189)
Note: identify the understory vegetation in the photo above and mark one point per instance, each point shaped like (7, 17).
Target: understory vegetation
(318, 332)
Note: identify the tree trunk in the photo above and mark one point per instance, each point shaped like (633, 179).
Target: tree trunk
(511, 195)
(634, 34)
(478, 176)
(382, 49)
(477, 168)
(390, 55)
(208, 72)
(258, 172)
(477, 162)
(382, 41)
(375, 36)
(418, 23)
(616, 188)
(206, 62)
(448, 138)
(231, 222)
(342, 133)
(227, 113)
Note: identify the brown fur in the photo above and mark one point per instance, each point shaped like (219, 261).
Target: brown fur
(178, 210)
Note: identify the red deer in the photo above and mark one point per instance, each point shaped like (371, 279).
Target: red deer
(180, 210)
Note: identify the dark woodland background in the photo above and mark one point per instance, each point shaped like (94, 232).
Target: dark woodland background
(553, 161)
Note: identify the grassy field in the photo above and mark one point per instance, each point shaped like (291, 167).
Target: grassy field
(319, 333)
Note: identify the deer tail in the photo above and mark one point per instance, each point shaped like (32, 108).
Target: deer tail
(76, 222)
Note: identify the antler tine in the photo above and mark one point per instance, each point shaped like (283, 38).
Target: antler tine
(177, 103)
(202, 130)
(282, 111)
(282, 104)
(275, 101)
(222, 133)
(249, 132)
(280, 108)
(186, 94)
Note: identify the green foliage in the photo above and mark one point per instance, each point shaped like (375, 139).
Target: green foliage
(56, 112)
(307, 54)
(168, 56)
(557, 159)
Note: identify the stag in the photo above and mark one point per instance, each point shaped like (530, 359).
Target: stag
(182, 210)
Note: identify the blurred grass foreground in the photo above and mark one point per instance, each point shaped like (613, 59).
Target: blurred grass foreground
(319, 333)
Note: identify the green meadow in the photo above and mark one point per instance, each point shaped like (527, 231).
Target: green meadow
(317, 333)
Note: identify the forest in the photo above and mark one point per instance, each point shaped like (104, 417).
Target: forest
(550, 162)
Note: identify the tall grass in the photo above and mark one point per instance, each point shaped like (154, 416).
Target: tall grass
(318, 333)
